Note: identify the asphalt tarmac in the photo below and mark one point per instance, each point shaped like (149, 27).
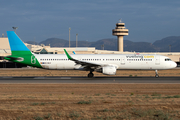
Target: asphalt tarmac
(85, 80)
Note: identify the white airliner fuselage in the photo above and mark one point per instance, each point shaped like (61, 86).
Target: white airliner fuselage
(109, 61)
(143, 62)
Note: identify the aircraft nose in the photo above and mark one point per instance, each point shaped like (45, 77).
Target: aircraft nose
(175, 64)
(172, 64)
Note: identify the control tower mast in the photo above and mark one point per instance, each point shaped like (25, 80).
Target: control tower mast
(120, 31)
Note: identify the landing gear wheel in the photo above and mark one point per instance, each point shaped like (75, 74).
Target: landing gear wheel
(156, 75)
(90, 75)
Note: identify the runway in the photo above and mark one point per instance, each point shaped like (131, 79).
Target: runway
(85, 80)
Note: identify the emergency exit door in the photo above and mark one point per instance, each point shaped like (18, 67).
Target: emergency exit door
(157, 60)
(122, 61)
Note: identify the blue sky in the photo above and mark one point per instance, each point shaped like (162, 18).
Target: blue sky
(147, 20)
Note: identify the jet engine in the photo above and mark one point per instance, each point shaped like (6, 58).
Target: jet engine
(109, 70)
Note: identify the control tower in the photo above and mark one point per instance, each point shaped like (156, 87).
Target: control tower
(120, 31)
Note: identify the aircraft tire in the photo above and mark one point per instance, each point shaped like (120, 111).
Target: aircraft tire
(90, 75)
(157, 76)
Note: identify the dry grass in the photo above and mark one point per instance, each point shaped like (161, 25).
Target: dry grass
(89, 101)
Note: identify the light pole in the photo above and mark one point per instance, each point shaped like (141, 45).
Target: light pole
(169, 48)
(102, 46)
(69, 36)
(15, 29)
(76, 40)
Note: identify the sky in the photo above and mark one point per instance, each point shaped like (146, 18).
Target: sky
(92, 20)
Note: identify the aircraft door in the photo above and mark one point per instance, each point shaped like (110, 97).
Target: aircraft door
(122, 61)
(157, 60)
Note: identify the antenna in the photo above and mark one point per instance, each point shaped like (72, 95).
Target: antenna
(15, 29)
(76, 40)
(69, 36)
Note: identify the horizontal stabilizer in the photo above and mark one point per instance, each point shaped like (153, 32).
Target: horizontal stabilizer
(12, 58)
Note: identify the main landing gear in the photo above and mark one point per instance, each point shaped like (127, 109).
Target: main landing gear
(90, 75)
(156, 74)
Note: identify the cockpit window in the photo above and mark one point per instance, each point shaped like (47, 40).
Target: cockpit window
(167, 59)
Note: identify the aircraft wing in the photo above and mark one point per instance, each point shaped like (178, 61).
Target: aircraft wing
(83, 63)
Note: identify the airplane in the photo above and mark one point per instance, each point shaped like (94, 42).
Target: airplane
(106, 64)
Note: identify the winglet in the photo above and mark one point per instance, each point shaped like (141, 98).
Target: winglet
(69, 57)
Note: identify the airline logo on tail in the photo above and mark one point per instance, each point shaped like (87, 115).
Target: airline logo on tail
(33, 59)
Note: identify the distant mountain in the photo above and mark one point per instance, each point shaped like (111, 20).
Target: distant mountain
(54, 42)
(162, 45)
(109, 44)
(165, 44)
(80, 44)
(139, 46)
(32, 42)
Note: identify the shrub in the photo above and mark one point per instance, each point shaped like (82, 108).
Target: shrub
(35, 103)
(105, 110)
(156, 94)
(84, 102)
(52, 102)
(97, 94)
(18, 118)
(176, 96)
(59, 114)
(47, 116)
(42, 103)
(38, 118)
(113, 95)
(74, 114)
(146, 96)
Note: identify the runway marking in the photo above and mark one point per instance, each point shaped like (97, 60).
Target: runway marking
(52, 78)
(39, 77)
(65, 77)
(7, 77)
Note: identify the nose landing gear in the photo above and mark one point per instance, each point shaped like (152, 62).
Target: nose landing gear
(156, 74)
